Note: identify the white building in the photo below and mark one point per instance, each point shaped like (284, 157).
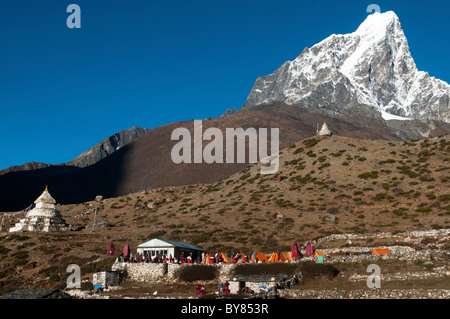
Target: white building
(167, 248)
(324, 130)
(43, 217)
(257, 283)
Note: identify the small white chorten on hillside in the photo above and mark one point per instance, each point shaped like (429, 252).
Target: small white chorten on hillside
(44, 217)
(324, 130)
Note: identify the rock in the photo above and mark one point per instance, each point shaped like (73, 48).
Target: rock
(98, 198)
(330, 218)
(102, 223)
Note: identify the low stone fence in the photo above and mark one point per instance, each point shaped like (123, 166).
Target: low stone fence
(367, 294)
(400, 276)
(411, 234)
(150, 272)
(403, 253)
(106, 278)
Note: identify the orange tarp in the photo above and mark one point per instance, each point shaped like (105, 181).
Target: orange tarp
(274, 258)
(381, 251)
(261, 257)
(318, 253)
(207, 258)
(225, 259)
(286, 255)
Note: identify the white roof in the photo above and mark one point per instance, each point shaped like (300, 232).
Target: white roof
(166, 243)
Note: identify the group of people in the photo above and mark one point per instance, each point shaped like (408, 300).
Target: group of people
(157, 258)
(200, 290)
(225, 288)
(195, 257)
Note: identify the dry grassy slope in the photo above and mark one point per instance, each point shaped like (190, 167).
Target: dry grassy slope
(367, 185)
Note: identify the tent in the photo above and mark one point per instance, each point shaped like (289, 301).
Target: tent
(126, 251)
(260, 257)
(381, 251)
(294, 250)
(309, 249)
(225, 258)
(320, 259)
(285, 255)
(274, 258)
(110, 250)
(318, 253)
(209, 259)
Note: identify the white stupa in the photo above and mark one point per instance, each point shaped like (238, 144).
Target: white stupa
(324, 130)
(43, 217)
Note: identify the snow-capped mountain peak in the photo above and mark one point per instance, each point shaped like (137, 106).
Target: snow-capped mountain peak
(371, 66)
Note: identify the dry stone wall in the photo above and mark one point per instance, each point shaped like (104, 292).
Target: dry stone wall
(149, 272)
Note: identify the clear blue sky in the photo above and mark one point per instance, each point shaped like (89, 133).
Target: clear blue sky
(149, 63)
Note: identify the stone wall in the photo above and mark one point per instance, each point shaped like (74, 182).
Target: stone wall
(411, 234)
(366, 294)
(255, 286)
(106, 278)
(144, 272)
(148, 272)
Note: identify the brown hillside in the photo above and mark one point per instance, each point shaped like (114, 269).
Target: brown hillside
(366, 185)
(146, 162)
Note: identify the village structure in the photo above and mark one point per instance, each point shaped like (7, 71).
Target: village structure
(324, 131)
(43, 217)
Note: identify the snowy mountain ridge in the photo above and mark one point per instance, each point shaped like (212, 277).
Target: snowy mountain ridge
(372, 66)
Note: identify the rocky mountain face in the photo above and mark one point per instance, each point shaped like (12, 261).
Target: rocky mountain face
(107, 147)
(372, 66)
(91, 156)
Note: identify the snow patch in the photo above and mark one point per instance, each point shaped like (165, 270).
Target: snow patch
(387, 116)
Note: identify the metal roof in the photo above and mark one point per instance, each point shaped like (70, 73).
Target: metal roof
(156, 242)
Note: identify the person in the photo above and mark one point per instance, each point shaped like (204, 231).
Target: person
(226, 288)
(197, 289)
(182, 257)
(255, 257)
(202, 291)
